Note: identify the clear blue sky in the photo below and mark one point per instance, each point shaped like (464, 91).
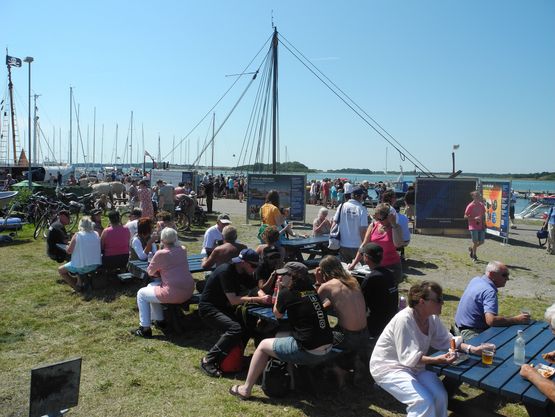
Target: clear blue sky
(480, 74)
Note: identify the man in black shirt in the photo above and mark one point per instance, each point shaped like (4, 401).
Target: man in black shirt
(380, 291)
(219, 297)
(57, 234)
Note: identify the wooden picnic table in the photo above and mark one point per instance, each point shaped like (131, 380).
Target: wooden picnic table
(294, 248)
(502, 377)
(138, 268)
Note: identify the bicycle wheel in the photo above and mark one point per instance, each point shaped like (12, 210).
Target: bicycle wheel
(124, 216)
(182, 222)
(73, 221)
(41, 227)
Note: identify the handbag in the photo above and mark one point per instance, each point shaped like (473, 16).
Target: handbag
(276, 379)
(334, 242)
(543, 233)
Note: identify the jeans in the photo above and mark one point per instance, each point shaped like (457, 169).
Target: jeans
(149, 306)
(233, 331)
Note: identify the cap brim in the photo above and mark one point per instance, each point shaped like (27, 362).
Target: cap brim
(225, 221)
(282, 271)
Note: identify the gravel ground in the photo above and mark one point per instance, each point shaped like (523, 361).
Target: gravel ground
(445, 259)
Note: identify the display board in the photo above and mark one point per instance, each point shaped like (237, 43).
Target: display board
(54, 388)
(173, 177)
(440, 202)
(291, 189)
(497, 196)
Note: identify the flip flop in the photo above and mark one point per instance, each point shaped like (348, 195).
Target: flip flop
(234, 390)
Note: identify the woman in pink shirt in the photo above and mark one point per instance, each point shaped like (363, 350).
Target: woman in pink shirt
(386, 232)
(475, 213)
(114, 243)
(175, 286)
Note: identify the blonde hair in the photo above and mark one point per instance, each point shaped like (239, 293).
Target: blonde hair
(86, 224)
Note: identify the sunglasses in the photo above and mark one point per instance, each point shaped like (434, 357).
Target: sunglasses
(506, 275)
(380, 219)
(438, 300)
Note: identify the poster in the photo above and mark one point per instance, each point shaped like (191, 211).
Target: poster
(440, 202)
(497, 195)
(291, 189)
(173, 177)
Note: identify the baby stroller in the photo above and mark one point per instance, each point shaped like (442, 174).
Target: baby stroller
(8, 223)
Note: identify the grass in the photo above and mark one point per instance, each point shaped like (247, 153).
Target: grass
(42, 321)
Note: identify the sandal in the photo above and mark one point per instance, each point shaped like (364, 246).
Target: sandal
(234, 390)
(210, 369)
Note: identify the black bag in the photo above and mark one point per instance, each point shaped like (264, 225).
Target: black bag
(334, 242)
(276, 379)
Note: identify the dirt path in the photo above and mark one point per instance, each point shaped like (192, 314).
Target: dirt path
(445, 259)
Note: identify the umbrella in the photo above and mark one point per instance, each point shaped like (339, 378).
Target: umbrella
(25, 183)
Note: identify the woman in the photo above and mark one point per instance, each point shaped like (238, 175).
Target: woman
(84, 249)
(386, 232)
(114, 242)
(311, 339)
(143, 242)
(321, 224)
(398, 362)
(96, 218)
(144, 196)
(269, 212)
(175, 286)
(241, 190)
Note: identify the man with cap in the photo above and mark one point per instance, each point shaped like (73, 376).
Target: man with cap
(478, 307)
(380, 291)
(353, 222)
(223, 253)
(214, 234)
(220, 295)
(57, 234)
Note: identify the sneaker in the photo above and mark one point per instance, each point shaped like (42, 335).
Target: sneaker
(474, 259)
(145, 332)
(210, 369)
(470, 253)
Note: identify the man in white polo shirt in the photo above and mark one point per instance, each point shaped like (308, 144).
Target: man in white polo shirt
(214, 234)
(353, 222)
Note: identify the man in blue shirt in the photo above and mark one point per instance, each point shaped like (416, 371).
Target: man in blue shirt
(478, 307)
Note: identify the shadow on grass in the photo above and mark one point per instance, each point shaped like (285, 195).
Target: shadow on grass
(16, 241)
(414, 266)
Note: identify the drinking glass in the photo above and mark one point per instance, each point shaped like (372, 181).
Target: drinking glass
(488, 352)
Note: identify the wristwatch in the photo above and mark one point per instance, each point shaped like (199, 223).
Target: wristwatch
(468, 349)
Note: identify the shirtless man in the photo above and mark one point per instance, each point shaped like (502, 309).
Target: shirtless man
(224, 252)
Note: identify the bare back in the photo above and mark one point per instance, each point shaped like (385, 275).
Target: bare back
(348, 303)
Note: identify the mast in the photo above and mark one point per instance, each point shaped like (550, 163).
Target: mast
(35, 123)
(131, 143)
(116, 159)
(70, 125)
(94, 138)
(274, 99)
(102, 146)
(10, 86)
(159, 154)
(213, 129)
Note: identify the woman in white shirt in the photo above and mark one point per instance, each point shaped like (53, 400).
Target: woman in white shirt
(401, 354)
(143, 242)
(84, 249)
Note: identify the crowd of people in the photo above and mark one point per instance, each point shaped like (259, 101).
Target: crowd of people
(395, 343)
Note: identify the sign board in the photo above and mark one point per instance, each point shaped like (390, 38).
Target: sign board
(173, 177)
(497, 196)
(54, 388)
(440, 202)
(291, 189)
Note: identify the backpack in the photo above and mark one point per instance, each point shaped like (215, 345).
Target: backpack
(276, 379)
(233, 362)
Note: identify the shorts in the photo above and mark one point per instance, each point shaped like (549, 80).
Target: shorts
(82, 270)
(478, 235)
(287, 350)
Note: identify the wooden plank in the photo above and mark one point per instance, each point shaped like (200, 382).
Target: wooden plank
(507, 370)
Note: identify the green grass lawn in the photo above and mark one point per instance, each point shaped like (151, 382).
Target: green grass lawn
(42, 321)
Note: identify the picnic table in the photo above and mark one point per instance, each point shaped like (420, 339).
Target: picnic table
(502, 377)
(294, 248)
(138, 267)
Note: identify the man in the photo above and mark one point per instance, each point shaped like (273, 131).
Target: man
(132, 223)
(478, 307)
(380, 290)
(214, 233)
(221, 294)
(166, 198)
(353, 222)
(402, 221)
(475, 213)
(209, 193)
(512, 203)
(224, 252)
(57, 235)
(549, 224)
(325, 192)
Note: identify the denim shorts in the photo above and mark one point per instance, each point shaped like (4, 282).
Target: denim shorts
(478, 235)
(287, 350)
(82, 270)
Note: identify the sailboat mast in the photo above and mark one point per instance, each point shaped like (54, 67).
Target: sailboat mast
(94, 138)
(102, 146)
(274, 100)
(10, 86)
(213, 132)
(131, 143)
(70, 125)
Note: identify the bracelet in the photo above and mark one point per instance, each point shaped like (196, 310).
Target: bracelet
(468, 352)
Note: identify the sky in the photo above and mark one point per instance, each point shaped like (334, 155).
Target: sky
(433, 74)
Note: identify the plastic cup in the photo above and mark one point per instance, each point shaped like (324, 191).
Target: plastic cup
(488, 352)
(525, 310)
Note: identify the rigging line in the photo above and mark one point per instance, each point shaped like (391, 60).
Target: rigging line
(261, 143)
(356, 105)
(252, 122)
(226, 118)
(222, 97)
(47, 144)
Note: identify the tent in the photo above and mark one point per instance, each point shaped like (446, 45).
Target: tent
(25, 183)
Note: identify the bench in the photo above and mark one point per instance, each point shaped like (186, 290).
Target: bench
(174, 314)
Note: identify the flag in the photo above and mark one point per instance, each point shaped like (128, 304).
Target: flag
(455, 147)
(12, 61)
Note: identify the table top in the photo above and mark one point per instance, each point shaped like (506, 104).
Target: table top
(303, 242)
(194, 261)
(502, 377)
(265, 313)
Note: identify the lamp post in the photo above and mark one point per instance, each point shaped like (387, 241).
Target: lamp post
(29, 59)
(455, 147)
